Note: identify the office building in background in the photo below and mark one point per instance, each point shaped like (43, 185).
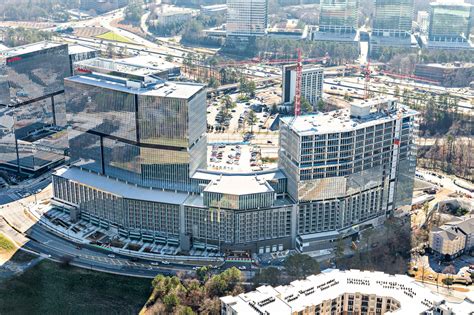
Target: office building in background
(450, 25)
(338, 21)
(311, 84)
(247, 18)
(392, 24)
(32, 108)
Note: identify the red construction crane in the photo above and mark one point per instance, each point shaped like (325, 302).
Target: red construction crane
(367, 73)
(299, 70)
(299, 75)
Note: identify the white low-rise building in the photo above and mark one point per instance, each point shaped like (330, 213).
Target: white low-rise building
(344, 292)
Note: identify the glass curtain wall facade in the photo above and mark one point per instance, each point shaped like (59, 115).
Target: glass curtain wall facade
(339, 16)
(393, 18)
(247, 17)
(32, 106)
(450, 22)
(136, 137)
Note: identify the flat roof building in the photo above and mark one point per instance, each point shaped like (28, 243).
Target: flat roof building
(247, 17)
(311, 84)
(333, 159)
(455, 74)
(343, 292)
(450, 21)
(339, 16)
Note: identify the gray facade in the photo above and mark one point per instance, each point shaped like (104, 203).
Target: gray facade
(347, 168)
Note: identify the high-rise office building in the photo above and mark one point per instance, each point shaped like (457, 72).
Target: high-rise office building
(338, 16)
(247, 18)
(32, 111)
(348, 167)
(136, 127)
(450, 21)
(311, 84)
(393, 18)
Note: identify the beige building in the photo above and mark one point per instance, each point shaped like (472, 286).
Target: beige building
(454, 237)
(342, 292)
(447, 240)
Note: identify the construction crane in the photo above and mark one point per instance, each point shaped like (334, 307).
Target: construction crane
(299, 70)
(299, 76)
(367, 74)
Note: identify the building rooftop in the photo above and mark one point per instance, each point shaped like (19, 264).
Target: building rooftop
(239, 185)
(152, 62)
(120, 66)
(25, 49)
(450, 2)
(120, 188)
(180, 90)
(342, 120)
(80, 49)
(301, 294)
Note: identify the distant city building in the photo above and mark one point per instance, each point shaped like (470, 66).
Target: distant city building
(343, 292)
(455, 74)
(423, 21)
(32, 110)
(450, 24)
(393, 18)
(453, 238)
(348, 167)
(392, 24)
(247, 18)
(311, 84)
(339, 16)
(167, 14)
(214, 9)
(338, 21)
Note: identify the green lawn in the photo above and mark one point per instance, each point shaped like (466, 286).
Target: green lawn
(115, 37)
(6, 244)
(49, 288)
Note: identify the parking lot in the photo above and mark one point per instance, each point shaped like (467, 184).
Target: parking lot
(234, 120)
(236, 158)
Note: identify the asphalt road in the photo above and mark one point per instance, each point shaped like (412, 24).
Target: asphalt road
(42, 241)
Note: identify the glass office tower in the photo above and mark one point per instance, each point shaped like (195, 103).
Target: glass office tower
(393, 18)
(32, 108)
(450, 21)
(338, 16)
(247, 17)
(150, 133)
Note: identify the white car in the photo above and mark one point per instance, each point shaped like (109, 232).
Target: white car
(154, 263)
(111, 255)
(164, 262)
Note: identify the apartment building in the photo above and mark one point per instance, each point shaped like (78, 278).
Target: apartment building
(311, 84)
(343, 292)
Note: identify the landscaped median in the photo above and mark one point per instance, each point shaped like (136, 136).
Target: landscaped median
(114, 37)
